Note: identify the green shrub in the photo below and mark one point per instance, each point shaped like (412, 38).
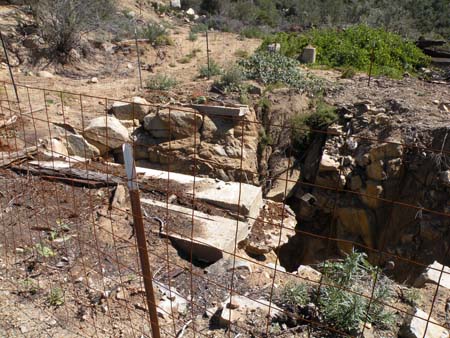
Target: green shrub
(161, 82)
(346, 310)
(348, 73)
(157, 34)
(44, 250)
(242, 54)
(294, 294)
(187, 58)
(353, 47)
(341, 309)
(411, 296)
(192, 36)
(252, 32)
(199, 28)
(55, 297)
(231, 79)
(273, 68)
(304, 125)
(213, 70)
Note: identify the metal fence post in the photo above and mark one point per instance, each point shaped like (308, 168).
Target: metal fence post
(9, 67)
(140, 236)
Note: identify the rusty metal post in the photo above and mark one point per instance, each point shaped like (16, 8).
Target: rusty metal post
(138, 55)
(140, 236)
(372, 60)
(207, 51)
(9, 67)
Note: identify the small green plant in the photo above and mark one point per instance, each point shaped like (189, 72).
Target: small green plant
(161, 82)
(29, 286)
(192, 36)
(252, 32)
(348, 73)
(411, 296)
(199, 28)
(231, 79)
(157, 34)
(44, 251)
(242, 54)
(303, 126)
(190, 56)
(55, 297)
(347, 310)
(213, 70)
(294, 294)
(243, 98)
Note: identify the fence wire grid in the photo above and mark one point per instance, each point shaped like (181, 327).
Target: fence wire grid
(69, 247)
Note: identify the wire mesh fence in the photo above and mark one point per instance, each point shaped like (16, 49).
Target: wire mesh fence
(69, 253)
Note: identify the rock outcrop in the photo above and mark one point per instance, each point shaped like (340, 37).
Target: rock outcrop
(373, 182)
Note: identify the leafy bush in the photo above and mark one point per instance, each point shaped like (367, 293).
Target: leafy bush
(304, 125)
(213, 69)
(61, 23)
(273, 68)
(157, 34)
(161, 82)
(353, 47)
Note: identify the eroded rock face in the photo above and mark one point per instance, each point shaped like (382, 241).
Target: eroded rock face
(381, 164)
(173, 124)
(191, 142)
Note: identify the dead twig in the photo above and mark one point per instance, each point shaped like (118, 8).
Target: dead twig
(183, 329)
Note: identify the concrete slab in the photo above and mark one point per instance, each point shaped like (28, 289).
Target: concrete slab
(221, 111)
(244, 199)
(435, 273)
(234, 196)
(212, 235)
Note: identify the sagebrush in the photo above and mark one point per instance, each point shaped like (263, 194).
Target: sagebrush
(62, 23)
(345, 300)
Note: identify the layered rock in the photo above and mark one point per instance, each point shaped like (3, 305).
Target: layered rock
(373, 180)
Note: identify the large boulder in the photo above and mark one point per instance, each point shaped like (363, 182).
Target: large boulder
(107, 133)
(78, 146)
(173, 124)
(137, 109)
(385, 151)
